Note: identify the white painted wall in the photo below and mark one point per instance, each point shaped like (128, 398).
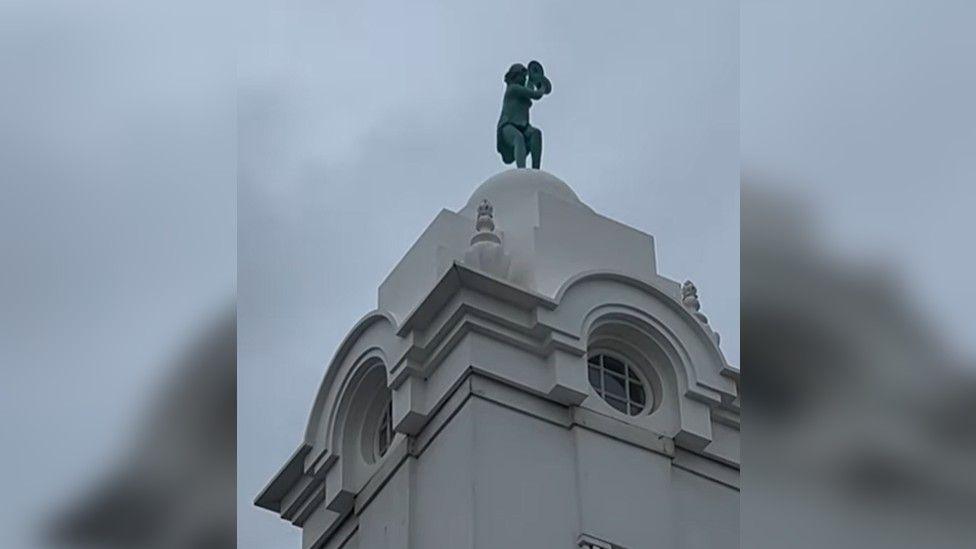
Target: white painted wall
(495, 477)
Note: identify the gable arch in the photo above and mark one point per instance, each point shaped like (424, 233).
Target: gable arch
(657, 306)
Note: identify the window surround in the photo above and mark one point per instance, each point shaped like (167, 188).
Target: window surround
(586, 541)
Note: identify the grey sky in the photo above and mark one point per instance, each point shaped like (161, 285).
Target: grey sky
(117, 231)
(866, 110)
(359, 121)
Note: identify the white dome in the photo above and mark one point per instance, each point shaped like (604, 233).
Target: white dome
(514, 187)
(547, 236)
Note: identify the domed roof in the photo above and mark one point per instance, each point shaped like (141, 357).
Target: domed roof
(516, 186)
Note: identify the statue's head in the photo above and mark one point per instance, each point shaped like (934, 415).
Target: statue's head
(516, 74)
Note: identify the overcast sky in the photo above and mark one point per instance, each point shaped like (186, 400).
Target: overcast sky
(866, 110)
(117, 231)
(359, 121)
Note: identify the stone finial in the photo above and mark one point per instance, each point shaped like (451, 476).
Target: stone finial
(689, 297)
(485, 224)
(485, 209)
(486, 251)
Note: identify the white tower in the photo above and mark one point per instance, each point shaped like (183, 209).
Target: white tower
(527, 381)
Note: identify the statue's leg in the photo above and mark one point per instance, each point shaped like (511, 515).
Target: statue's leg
(515, 138)
(535, 146)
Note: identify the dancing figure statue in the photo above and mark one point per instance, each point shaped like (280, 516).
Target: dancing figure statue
(516, 138)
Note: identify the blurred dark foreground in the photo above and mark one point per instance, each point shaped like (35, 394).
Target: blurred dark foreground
(174, 486)
(117, 274)
(860, 427)
(858, 370)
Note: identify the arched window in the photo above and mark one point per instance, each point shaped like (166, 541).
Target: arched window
(618, 383)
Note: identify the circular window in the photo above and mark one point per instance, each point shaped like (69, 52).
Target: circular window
(377, 432)
(384, 431)
(617, 383)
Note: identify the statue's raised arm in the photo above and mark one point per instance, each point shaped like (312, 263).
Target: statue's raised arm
(516, 138)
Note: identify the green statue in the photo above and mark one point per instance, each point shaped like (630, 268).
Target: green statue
(516, 138)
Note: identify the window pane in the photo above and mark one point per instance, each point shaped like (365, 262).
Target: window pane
(617, 383)
(636, 393)
(614, 385)
(614, 365)
(617, 403)
(595, 377)
(384, 431)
